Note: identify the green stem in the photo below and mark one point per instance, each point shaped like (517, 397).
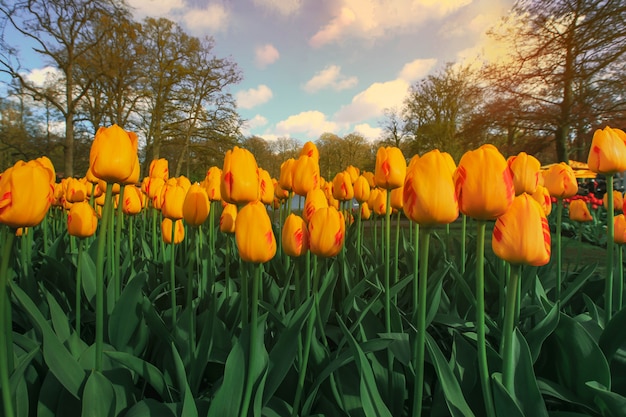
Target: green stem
(252, 357)
(173, 275)
(359, 250)
(387, 243)
(77, 300)
(395, 254)
(117, 248)
(5, 325)
(559, 255)
(227, 261)
(508, 365)
(102, 239)
(155, 214)
(463, 242)
(620, 279)
(608, 291)
(420, 323)
(480, 320)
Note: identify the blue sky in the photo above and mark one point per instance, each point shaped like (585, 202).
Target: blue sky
(315, 66)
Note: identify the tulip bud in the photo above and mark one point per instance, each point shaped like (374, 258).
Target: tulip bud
(618, 201)
(266, 187)
(286, 174)
(378, 201)
(132, 200)
(166, 231)
(542, 196)
(306, 175)
(309, 149)
(76, 191)
(315, 199)
(619, 229)
(295, 236)
(365, 211)
(240, 177)
(227, 218)
(560, 181)
(196, 206)
(212, 183)
(113, 154)
(608, 151)
(159, 169)
(173, 199)
(82, 220)
(396, 198)
(342, 186)
(390, 168)
(327, 229)
(483, 183)
(525, 170)
(522, 235)
(254, 234)
(361, 189)
(579, 211)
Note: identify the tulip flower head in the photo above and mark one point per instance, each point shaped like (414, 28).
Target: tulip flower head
(484, 184)
(286, 174)
(113, 156)
(212, 182)
(266, 187)
(526, 172)
(315, 200)
(173, 199)
(253, 233)
(133, 201)
(560, 181)
(159, 169)
(295, 236)
(619, 229)
(82, 220)
(522, 235)
(327, 229)
(240, 177)
(166, 231)
(76, 190)
(361, 189)
(227, 218)
(310, 149)
(542, 196)
(342, 186)
(196, 206)
(306, 175)
(579, 211)
(608, 151)
(390, 168)
(618, 201)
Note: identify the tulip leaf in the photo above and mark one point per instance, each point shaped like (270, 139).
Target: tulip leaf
(88, 276)
(58, 359)
(504, 403)
(573, 287)
(609, 403)
(189, 406)
(455, 400)
(538, 334)
(127, 314)
(98, 397)
(151, 374)
(613, 337)
(59, 319)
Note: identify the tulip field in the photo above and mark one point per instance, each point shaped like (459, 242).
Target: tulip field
(429, 287)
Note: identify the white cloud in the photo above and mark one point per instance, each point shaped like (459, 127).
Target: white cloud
(370, 133)
(376, 18)
(265, 55)
(311, 123)
(256, 121)
(372, 101)
(416, 69)
(283, 7)
(330, 77)
(41, 76)
(252, 97)
(214, 18)
(155, 8)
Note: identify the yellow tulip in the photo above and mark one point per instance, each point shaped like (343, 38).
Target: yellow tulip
(286, 174)
(542, 196)
(228, 218)
(483, 183)
(166, 231)
(76, 191)
(390, 168)
(618, 201)
(378, 201)
(133, 200)
(396, 200)
(327, 229)
(315, 200)
(26, 193)
(369, 176)
(113, 154)
(365, 211)
(279, 192)
(253, 233)
(240, 177)
(266, 187)
(525, 170)
(159, 169)
(310, 149)
(619, 229)
(196, 206)
(82, 220)
(560, 181)
(579, 211)
(354, 173)
(173, 199)
(608, 151)
(361, 189)
(342, 186)
(153, 186)
(429, 192)
(522, 235)
(306, 175)
(212, 183)
(295, 236)
(45, 162)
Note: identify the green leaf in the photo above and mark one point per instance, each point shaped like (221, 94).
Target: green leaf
(581, 279)
(454, 396)
(127, 315)
(88, 277)
(613, 336)
(373, 404)
(150, 373)
(98, 397)
(505, 404)
(152, 408)
(538, 334)
(609, 403)
(57, 358)
(228, 398)
(60, 322)
(189, 406)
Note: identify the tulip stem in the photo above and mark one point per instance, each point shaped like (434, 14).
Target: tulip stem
(395, 254)
(173, 274)
(620, 278)
(508, 367)
(6, 349)
(559, 255)
(483, 366)
(155, 214)
(252, 357)
(102, 239)
(117, 248)
(608, 311)
(77, 300)
(359, 220)
(420, 322)
(387, 243)
(227, 261)
(463, 242)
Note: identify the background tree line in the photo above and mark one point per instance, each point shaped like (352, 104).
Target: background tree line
(562, 78)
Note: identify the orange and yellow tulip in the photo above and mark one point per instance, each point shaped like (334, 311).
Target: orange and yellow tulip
(560, 181)
(342, 186)
(212, 182)
(361, 189)
(327, 229)
(166, 231)
(483, 184)
(253, 233)
(397, 201)
(173, 199)
(26, 192)
(82, 220)
(266, 187)
(295, 236)
(315, 200)
(306, 175)
(526, 172)
(286, 174)
(579, 211)
(196, 206)
(76, 190)
(133, 200)
(429, 193)
(113, 156)
(228, 218)
(378, 201)
(618, 201)
(542, 196)
(390, 168)
(366, 213)
(619, 229)
(159, 169)
(522, 235)
(310, 149)
(608, 151)
(240, 177)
